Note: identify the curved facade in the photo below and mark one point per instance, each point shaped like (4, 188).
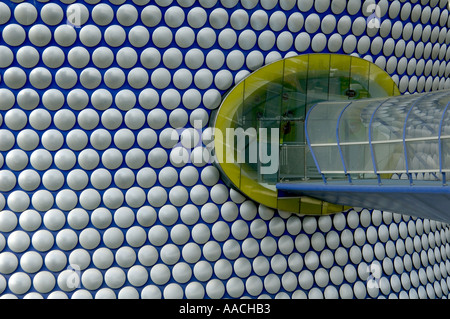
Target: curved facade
(101, 195)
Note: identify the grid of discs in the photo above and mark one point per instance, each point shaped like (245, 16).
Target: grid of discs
(92, 175)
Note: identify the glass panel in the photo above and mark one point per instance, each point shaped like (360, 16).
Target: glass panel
(262, 91)
(445, 141)
(445, 154)
(246, 143)
(328, 159)
(268, 151)
(443, 99)
(294, 87)
(292, 131)
(359, 74)
(318, 76)
(354, 128)
(378, 84)
(354, 123)
(339, 77)
(387, 125)
(425, 116)
(322, 122)
(423, 155)
(389, 119)
(292, 162)
(292, 150)
(310, 166)
(389, 157)
(358, 158)
(445, 129)
(423, 123)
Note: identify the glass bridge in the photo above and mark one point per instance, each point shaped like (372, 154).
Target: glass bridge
(390, 154)
(338, 134)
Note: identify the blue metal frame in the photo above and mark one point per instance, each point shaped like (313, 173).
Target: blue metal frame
(433, 188)
(405, 150)
(372, 153)
(308, 141)
(427, 200)
(441, 122)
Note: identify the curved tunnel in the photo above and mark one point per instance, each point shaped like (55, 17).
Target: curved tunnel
(389, 152)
